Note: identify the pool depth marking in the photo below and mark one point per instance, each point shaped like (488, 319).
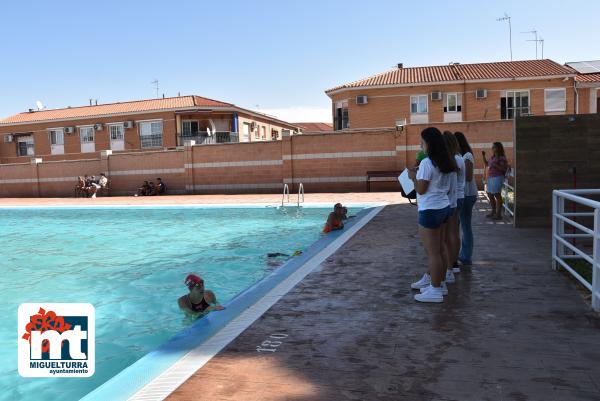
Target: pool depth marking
(177, 374)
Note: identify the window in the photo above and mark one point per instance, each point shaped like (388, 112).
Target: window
(117, 132)
(151, 133)
(453, 103)
(189, 128)
(256, 132)
(264, 133)
(514, 104)
(86, 134)
(274, 134)
(418, 104)
(25, 146)
(57, 137)
(340, 116)
(555, 99)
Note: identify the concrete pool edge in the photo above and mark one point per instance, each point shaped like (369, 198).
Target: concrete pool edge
(158, 373)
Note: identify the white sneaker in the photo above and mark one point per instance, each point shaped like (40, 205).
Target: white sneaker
(450, 276)
(431, 294)
(422, 283)
(455, 269)
(444, 288)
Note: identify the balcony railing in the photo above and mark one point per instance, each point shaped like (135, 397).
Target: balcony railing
(202, 138)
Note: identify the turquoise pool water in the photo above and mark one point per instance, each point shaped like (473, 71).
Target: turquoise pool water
(130, 264)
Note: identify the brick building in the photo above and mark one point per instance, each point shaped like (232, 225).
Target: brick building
(83, 132)
(455, 93)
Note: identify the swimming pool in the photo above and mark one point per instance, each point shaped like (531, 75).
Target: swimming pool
(130, 264)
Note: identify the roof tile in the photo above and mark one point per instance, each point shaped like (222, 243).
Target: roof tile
(460, 72)
(137, 106)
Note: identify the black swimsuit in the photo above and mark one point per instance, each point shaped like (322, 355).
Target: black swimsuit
(199, 307)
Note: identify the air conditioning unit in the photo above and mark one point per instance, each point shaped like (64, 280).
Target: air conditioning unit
(362, 99)
(252, 126)
(98, 127)
(8, 138)
(436, 95)
(69, 130)
(480, 93)
(128, 124)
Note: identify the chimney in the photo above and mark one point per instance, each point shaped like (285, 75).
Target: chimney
(400, 65)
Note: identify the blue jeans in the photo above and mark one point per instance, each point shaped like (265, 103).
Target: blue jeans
(466, 213)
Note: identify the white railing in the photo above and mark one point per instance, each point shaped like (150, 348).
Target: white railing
(286, 191)
(300, 193)
(508, 193)
(564, 250)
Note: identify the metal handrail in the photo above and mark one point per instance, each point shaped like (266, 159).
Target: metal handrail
(286, 190)
(561, 247)
(300, 192)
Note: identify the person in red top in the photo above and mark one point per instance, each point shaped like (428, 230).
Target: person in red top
(497, 167)
(335, 219)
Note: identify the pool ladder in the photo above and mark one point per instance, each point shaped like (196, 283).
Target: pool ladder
(286, 192)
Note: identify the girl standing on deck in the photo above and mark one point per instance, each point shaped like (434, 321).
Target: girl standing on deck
(466, 249)
(434, 181)
(456, 201)
(497, 167)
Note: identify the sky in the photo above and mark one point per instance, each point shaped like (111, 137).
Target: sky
(277, 57)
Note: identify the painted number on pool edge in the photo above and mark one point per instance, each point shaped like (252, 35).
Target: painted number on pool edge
(271, 344)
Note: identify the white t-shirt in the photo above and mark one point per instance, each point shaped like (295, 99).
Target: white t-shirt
(460, 178)
(470, 186)
(440, 184)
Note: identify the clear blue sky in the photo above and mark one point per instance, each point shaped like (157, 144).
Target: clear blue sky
(280, 55)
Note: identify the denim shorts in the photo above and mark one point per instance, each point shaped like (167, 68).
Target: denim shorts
(433, 218)
(494, 184)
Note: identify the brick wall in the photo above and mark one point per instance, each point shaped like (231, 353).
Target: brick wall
(547, 148)
(331, 162)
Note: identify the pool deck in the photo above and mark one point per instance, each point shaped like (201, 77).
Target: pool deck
(510, 329)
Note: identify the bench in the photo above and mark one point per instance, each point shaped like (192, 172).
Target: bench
(381, 174)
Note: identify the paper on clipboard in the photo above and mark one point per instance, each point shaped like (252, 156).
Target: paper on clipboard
(407, 184)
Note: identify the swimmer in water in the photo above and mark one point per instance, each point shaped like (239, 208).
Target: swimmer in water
(199, 300)
(335, 219)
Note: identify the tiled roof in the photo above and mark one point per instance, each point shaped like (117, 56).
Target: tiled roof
(460, 72)
(169, 103)
(595, 77)
(312, 127)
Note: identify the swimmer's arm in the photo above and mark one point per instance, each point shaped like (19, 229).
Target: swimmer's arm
(183, 305)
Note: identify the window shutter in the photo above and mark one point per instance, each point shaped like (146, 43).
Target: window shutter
(555, 100)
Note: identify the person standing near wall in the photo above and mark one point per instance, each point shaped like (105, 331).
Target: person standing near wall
(497, 167)
(457, 199)
(466, 249)
(434, 180)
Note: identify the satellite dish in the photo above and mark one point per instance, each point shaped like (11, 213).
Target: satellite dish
(208, 131)
(39, 104)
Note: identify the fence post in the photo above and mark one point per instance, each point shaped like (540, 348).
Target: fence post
(554, 226)
(596, 265)
(560, 229)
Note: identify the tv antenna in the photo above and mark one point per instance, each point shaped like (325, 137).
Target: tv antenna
(536, 40)
(507, 18)
(541, 42)
(155, 83)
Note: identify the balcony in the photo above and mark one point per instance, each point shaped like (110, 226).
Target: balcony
(202, 138)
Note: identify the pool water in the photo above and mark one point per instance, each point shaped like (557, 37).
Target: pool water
(130, 264)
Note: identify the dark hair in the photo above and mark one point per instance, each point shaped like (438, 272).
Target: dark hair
(463, 144)
(437, 151)
(159, 179)
(500, 149)
(451, 143)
